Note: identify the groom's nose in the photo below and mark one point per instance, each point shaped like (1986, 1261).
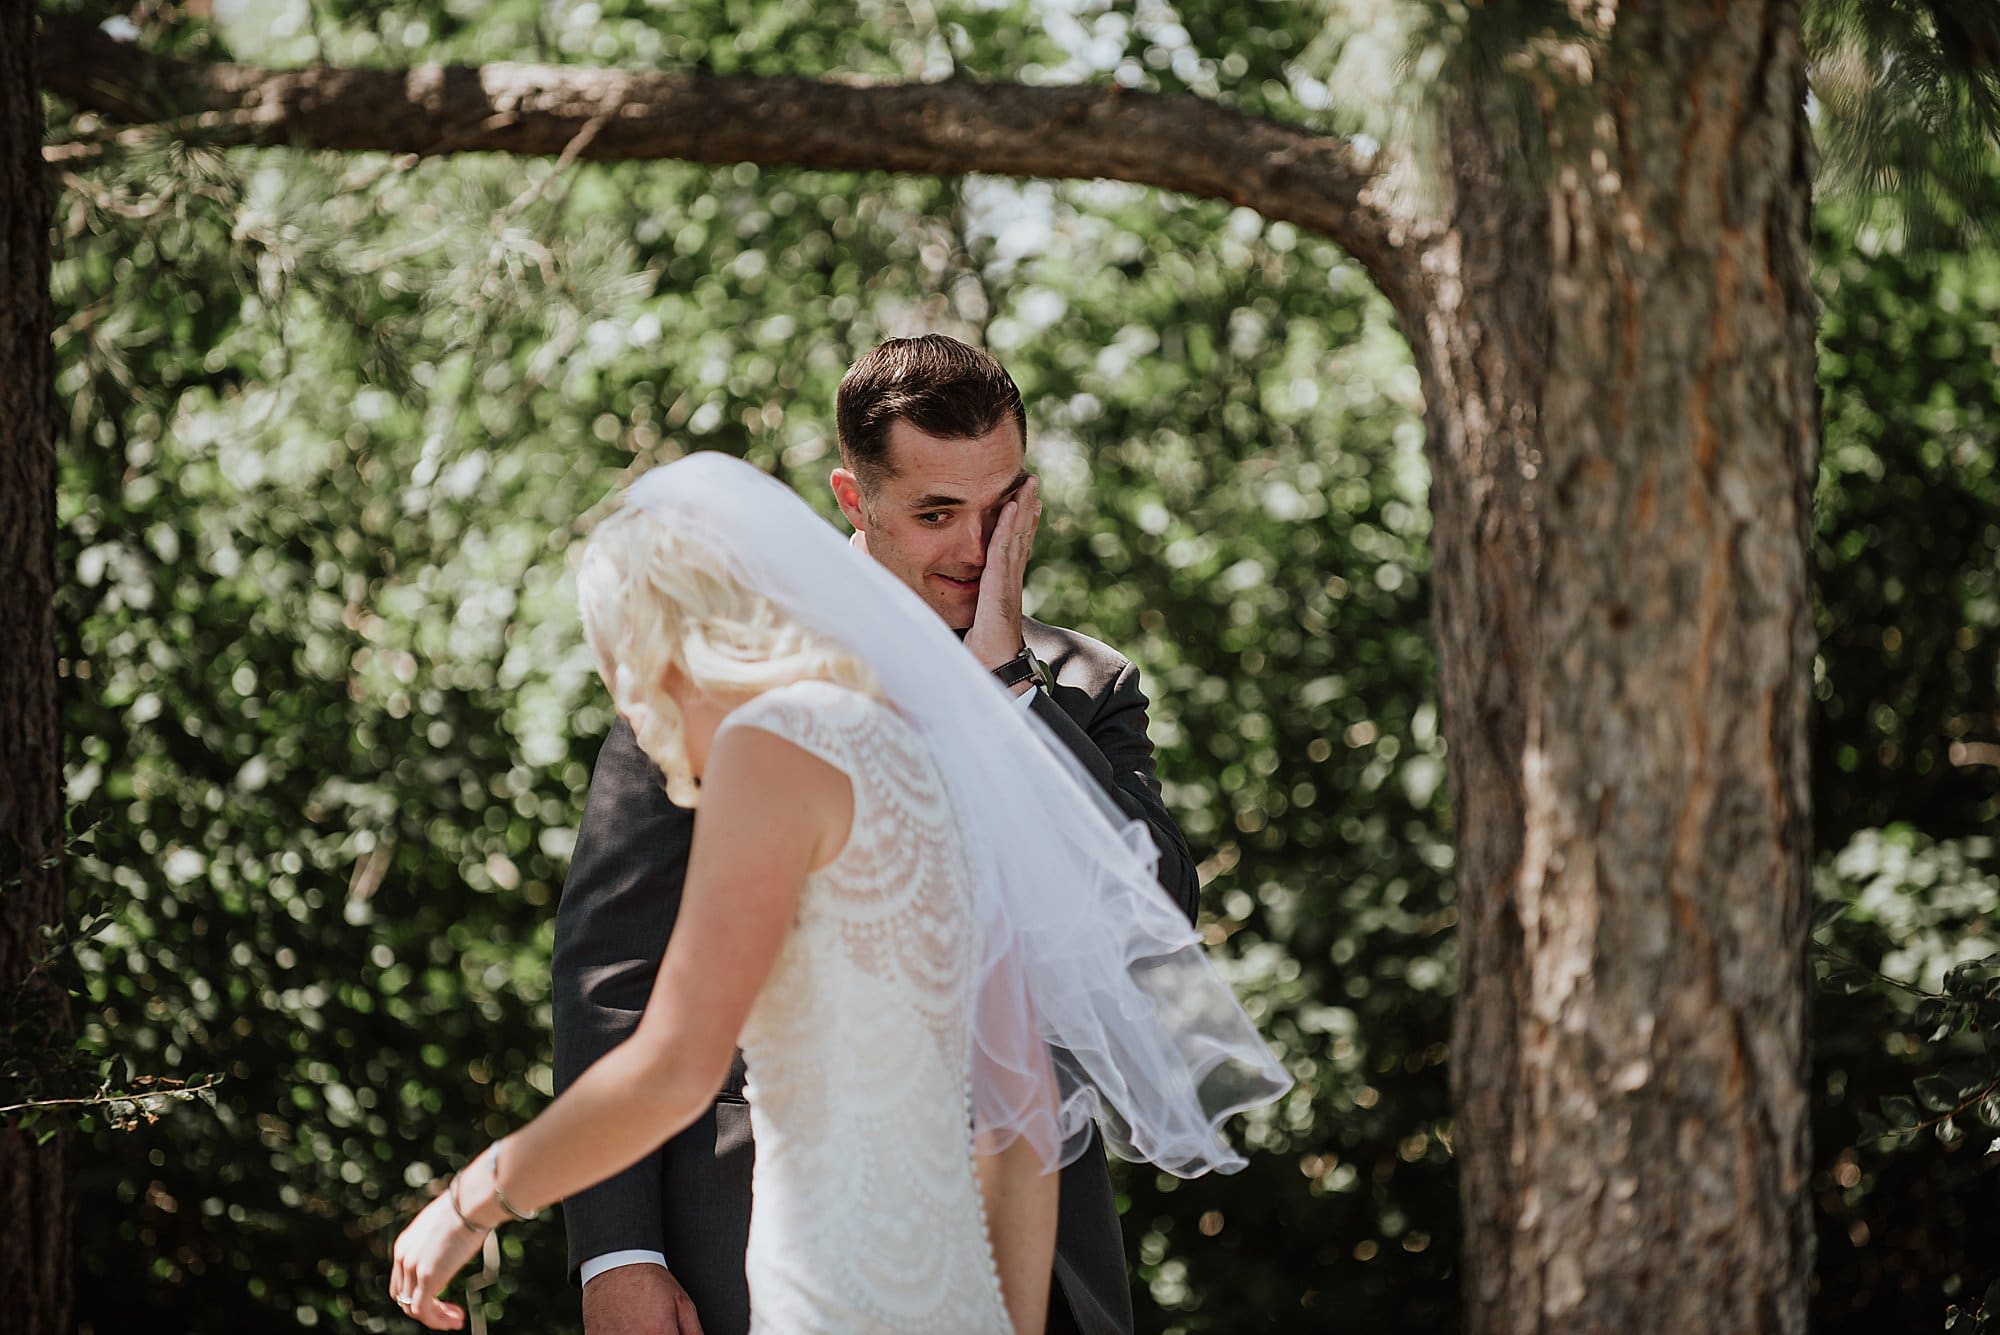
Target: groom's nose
(969, 542)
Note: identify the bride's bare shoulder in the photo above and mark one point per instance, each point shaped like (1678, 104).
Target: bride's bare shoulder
(772, 783)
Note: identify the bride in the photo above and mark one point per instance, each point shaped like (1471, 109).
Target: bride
(940, 948)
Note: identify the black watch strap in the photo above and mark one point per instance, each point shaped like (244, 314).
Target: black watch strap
(1023, 666)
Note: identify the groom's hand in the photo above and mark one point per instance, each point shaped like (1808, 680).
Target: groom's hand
(638, 1300)
(995, 636)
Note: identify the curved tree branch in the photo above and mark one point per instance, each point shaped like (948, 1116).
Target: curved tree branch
(1177, 143)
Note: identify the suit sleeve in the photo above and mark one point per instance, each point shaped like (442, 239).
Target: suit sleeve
(1112, 744)
(618, 906)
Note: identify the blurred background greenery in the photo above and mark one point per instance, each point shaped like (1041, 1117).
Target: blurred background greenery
(334, 425)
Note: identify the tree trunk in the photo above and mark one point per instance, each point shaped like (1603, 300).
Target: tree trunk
(34, 1211)
(1623, 421)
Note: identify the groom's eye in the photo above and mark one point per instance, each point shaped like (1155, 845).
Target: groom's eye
(933, 518)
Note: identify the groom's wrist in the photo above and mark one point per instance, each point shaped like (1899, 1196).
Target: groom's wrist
(1023, 672)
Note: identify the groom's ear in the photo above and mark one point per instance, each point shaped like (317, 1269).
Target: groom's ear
(847, 493)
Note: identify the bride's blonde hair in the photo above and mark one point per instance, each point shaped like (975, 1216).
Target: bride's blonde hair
(655, 596)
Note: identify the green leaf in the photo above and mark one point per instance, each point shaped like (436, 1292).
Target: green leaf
(1970, 1078)
(1964, 978)
(1847, 980)
(1931, 1011)
(1937, 1093)
(1900, 1111)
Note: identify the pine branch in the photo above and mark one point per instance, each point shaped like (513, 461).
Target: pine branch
(1909, 92)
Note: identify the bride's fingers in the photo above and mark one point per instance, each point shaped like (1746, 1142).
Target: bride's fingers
(438, 1314)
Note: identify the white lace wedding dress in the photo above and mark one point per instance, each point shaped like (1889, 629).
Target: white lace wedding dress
(865, 1212)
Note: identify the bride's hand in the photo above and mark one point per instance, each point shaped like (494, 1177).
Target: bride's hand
(434, 1247)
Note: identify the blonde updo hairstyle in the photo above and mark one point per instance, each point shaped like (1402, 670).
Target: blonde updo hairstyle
(654, 595)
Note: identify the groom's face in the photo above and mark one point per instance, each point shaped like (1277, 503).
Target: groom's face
(929, 515)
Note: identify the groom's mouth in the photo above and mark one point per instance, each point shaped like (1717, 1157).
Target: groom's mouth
(967, 585)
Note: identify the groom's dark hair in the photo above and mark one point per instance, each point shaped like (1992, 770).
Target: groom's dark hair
(940, 386)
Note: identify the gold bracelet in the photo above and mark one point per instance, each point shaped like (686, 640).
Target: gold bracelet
(500, 1195)
(451, 1193)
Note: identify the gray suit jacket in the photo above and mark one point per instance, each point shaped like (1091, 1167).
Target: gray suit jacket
(690, 1200)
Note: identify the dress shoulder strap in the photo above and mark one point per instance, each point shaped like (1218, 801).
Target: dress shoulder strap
(819, 717)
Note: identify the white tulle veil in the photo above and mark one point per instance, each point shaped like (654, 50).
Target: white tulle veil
(1095, 1001)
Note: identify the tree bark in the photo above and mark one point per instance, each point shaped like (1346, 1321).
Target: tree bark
(1624, 425)
(1484, 359)
(34, 1211)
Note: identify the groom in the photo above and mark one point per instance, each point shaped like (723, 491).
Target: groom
(932, 443)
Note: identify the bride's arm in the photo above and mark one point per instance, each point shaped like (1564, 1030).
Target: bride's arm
(769, 814)
(1021, 1200)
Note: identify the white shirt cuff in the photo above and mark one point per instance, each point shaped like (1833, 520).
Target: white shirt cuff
(1027, 700)
(597, 1265)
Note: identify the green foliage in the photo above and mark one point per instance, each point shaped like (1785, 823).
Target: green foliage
(1908, 552)
(1905, 786)
(1909, 107)
(290, 639)
(1907, 1079)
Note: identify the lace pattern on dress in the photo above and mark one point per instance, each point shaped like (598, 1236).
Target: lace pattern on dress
(866, 1212)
